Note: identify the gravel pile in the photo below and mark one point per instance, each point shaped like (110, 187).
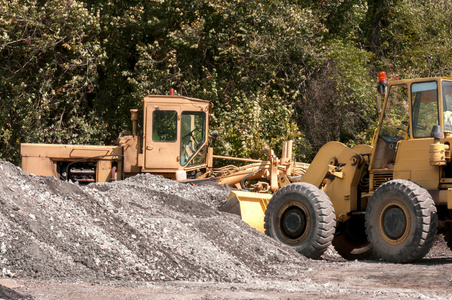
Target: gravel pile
(143, 228)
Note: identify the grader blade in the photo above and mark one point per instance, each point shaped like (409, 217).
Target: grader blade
(249, 206)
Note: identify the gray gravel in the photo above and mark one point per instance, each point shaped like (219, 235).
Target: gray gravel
(145, 228)
(151, 238)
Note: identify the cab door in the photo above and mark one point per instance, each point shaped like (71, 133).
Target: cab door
(161, 140)
(413, 155)
(393, 128)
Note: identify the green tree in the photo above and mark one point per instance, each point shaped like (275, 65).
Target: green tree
(274, 69)
(417, 41)
(337, 102)
(248, 58)
(49, 57)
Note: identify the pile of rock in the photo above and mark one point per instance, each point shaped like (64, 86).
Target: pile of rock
(142, 228)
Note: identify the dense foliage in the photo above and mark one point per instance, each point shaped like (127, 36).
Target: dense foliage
(274, 69)
(49, 57)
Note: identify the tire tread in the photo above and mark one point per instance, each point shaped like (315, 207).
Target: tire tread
(424, 212)
(325, 214)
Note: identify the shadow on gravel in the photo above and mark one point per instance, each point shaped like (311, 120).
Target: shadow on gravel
(434, 261)
(9, 294)
(424, 261)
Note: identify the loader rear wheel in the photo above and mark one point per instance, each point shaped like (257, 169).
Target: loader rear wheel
(350, 240)
(401, 221)
(301, 216)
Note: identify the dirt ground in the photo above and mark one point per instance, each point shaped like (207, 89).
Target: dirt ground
(150, 238)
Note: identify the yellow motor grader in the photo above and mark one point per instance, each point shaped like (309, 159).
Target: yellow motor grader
(175, 144)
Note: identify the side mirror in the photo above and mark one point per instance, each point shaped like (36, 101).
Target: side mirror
(214, 134)
(437, 133)
(378, 102)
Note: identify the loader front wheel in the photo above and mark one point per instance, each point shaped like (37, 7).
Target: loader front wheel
(401, 221)
(301, 216)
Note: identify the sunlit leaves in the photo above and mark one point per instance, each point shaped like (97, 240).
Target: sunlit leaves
(71, 70)
(417, 39)
(49, 59)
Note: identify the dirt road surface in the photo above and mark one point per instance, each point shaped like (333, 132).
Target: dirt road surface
(150, 238)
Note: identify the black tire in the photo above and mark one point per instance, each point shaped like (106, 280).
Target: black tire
(401, 221)
(301, 215)
(350, 240)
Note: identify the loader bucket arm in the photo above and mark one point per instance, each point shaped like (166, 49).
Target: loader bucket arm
(344, 167)
(335, 162)
(329, 156)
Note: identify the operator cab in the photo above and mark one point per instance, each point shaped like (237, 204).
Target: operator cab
(175, 134)
(410, 110)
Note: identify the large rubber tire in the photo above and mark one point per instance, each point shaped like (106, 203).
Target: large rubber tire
(350, 240)
(401, 221)
(302, 216)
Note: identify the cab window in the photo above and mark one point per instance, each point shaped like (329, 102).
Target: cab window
(164, 126)
(193, 128)
(447, 105)
(424, 108)
(395, 120)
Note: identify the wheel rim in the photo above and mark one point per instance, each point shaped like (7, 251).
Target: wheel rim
(394, 222)
(294, 222)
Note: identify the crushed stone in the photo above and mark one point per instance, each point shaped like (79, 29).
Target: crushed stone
(144, 228)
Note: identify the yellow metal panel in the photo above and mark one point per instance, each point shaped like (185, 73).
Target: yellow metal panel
(362, 149)
(449, 198)
(82, 153)
(160, 155)
(330, 153)
(402, 175)
(131, 146)
(252, 214)
(413, 156)
(62, 152)
(283, 180)
(103, 171)
(342, 191)
(42, 166)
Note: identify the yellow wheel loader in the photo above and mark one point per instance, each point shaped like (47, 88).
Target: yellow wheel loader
(388, 200)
